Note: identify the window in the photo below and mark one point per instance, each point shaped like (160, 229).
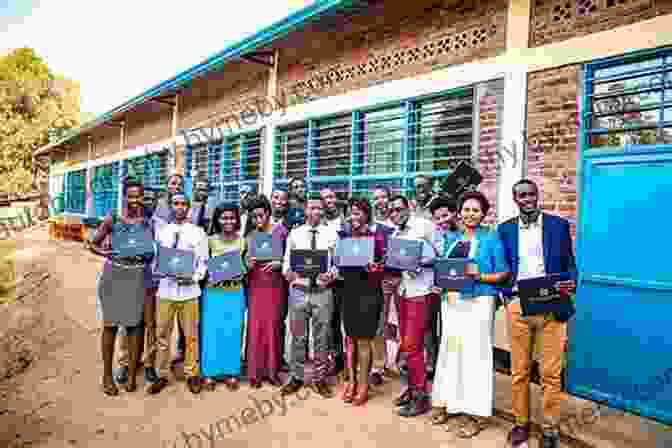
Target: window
(105, 189)
(387, 145)
(150, 169)
(228, 164)
(75, 191)
(629, 102)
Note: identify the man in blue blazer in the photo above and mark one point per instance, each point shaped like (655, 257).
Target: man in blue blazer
(536, 244)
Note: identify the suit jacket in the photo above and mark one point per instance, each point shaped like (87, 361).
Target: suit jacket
(556, 240)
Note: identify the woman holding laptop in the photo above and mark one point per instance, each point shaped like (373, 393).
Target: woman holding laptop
(464, 382)
(363, 301)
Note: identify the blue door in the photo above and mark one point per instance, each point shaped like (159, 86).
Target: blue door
(620, 341)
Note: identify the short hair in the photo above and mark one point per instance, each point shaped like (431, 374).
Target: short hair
(362, 204)
(442, 202)
(477, 195)
(400, 197)
(385, 188)
(524, 182)
(260, 201)
(215, 226)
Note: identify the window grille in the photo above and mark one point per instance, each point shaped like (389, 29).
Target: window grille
(628, 102)
(75, 191)
(150, 169)
(105, 189)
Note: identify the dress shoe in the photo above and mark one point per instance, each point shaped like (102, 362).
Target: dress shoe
(121, 375)
(362, 395)
(348, 393)
(157, 387)
(550, 440)
(404, 399)
(518, 436)
(322, 390)
(291, 387)
(376, 378)
(232, 383)
(151, 375)
(194, 384)
(419, 405)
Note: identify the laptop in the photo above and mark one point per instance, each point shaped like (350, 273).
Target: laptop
(354, 252)
(265, 248)
(539, 295)
(131, 241)
(450, 274)
(175, 263)
(403, 254)
(225, 267)
(309, 262)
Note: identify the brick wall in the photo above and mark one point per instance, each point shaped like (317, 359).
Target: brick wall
(552, 138)
(558, 20)
(149, 123)
(490, 104)
(391, 41)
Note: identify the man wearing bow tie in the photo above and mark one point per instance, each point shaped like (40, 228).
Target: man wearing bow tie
(536, 244)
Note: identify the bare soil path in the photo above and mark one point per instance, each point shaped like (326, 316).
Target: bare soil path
(57, 401)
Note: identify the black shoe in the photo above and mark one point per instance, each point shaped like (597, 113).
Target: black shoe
(157, 387)
(376, 378)
(519, 434)
(121, 375)
(404, 399)
(291, 387)
(549, 440)
(151, 375)
(322, 390)
(418, 406)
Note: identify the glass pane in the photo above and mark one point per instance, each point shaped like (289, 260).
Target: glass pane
(624, 69)
(252, 156)
(291, 146)
(105, 189)
(381, 141)
(332, 139)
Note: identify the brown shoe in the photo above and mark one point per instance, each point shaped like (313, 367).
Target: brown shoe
(322, 390)
(157, 387)
(291, 387)
(194, 384)
(349, 392)
(362, 395)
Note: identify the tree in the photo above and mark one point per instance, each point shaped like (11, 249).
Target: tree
(36, 107)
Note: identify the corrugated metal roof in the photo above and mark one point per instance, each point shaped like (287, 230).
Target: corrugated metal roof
(267, 35)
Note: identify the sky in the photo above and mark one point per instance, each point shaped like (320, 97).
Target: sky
(118, 49)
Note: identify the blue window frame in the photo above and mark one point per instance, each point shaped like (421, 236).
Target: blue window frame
(75, 191)
(105, 189)
(628, 102)
(384, 145)
(150, 169)
(228, 164)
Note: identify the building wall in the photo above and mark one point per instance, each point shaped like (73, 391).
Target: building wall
(150, 123)
(552, 138)
(392, 41)
(106, 141)
(78, 151)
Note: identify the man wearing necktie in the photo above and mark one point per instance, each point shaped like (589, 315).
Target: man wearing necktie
(311, 302)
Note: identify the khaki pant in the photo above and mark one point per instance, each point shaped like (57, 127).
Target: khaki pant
(522, 331)
(187, 313)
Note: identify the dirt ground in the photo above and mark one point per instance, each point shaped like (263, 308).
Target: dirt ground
(56, 401)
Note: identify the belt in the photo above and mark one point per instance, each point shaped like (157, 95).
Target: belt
(127, 264)
(313, 290)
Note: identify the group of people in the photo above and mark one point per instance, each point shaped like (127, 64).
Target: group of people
(368, 322)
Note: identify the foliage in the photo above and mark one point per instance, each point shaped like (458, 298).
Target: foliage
(36, 107)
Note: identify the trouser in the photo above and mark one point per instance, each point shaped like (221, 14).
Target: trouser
(187, 313)
(522, 330)
(412, 327)
(337, 334)
(390, 288)
(149, 336)
(432, 337)
(314, 311)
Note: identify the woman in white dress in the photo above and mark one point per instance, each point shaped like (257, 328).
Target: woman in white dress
(464, 380)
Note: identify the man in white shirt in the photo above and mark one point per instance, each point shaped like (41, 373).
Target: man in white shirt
(415, 290)
(180, 297)
(310, 302)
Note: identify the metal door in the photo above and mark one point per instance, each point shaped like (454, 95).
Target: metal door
(620, 341)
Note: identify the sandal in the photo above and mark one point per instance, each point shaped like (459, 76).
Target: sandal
(470, 427)
(439, 417)
(110, 389)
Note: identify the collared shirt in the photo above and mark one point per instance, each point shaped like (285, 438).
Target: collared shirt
(530, 249)
(334, 223)
(419, 211)
(300, 238)
(191, 238)
(441, 241)
(417, 285)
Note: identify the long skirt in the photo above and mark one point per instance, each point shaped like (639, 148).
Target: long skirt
(464, 376)
(121, 290)
(222, 312)
(267, 296)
